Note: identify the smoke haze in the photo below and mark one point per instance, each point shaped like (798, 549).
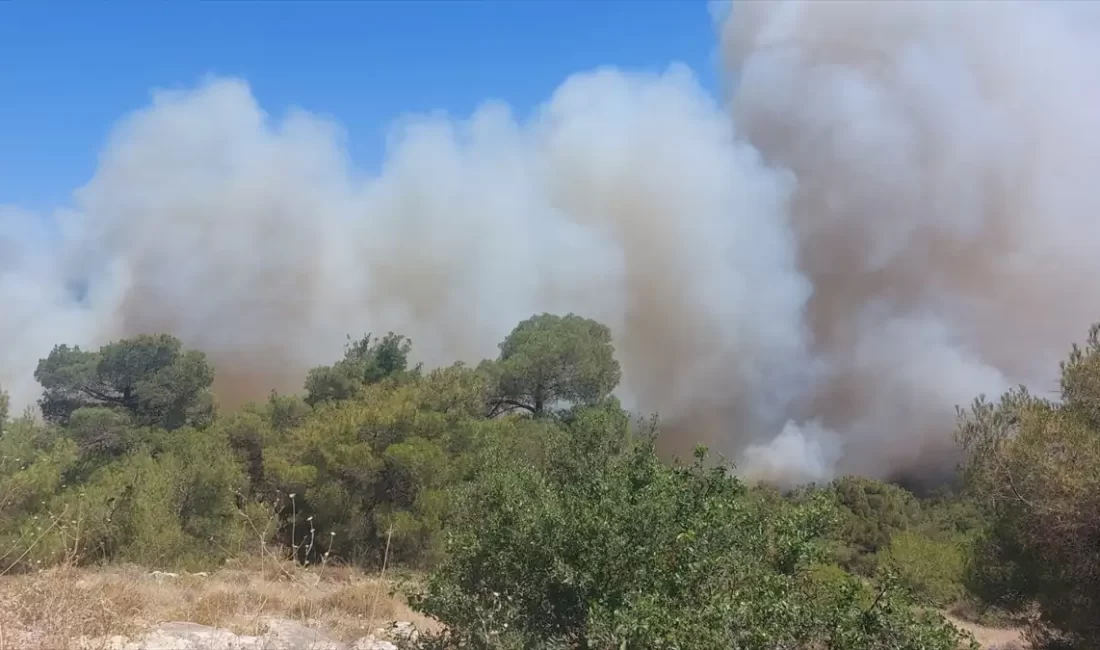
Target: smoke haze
(894, 210)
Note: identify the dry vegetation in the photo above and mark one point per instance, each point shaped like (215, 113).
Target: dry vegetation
(69, 607)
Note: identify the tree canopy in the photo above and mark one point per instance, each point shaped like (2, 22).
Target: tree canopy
(539, 515)
(150, 377)
(624, 551)
(3, 409)
(1034, 466)
(548, 360)
(365, 362)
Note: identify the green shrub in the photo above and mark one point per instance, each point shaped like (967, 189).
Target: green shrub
(171, 501)
(932, 570)
(378, 468)
(871, 512)
(611, 548)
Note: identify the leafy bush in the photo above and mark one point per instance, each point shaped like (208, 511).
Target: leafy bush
(609, 548)
(932, 570)
(33, 465)
(166, 502)
(871, 513)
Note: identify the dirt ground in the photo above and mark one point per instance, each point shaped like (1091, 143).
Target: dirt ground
(991, 637)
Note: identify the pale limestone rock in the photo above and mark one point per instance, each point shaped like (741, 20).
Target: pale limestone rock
(372, 643)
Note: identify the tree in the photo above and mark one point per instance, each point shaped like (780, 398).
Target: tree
(382, 461)
(3, 410)
(247, 434)
(1034, 466)
(549, 359)
(284, 412)
(871, 512)
(150, 377)
(365, 362)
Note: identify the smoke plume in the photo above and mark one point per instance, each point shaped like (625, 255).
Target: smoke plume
(894, 210)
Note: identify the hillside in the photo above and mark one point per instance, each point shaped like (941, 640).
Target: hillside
(533, 508)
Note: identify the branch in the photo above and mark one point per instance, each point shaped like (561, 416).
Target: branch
(99, 395)
(881, 593)
(499, 404)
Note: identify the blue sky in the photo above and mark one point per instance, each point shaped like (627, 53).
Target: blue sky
(70, 70)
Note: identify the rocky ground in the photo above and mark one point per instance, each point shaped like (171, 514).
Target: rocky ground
(277, 634)
(238, 608)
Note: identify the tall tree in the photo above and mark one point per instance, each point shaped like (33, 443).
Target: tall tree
(365, 362)
(3, 410)
(1034, 465)
(150, 377)
(549, 359)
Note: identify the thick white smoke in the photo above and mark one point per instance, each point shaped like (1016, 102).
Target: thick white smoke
(946, 212)
(895, 212)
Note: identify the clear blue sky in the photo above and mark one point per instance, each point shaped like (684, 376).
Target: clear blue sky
(69, 70)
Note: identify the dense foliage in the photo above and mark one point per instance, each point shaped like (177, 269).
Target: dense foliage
(1034, 467)
(605, 546)
(151, 378)
(541, 513)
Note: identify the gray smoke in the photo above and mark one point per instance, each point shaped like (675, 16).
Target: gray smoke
(894, 212)
(946, 211)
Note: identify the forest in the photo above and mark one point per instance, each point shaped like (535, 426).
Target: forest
(540, 513)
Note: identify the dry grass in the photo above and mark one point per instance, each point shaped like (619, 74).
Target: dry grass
(56, 608)
(53, 608)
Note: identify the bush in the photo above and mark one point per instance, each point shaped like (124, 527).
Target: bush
(871, 512)
(932, 570)
(611, 548)
(169, 501)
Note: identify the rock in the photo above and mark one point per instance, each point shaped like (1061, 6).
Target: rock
(280, 635)
(160, 575)
(283, 634)
(402, 631)
(192, 636)
(372, 643)
(116, 642)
